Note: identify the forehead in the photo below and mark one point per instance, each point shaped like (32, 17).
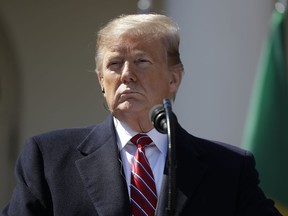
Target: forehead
(140, 45)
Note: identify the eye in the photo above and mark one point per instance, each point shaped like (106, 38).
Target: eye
(142, 62)
(114, 62)
(114, 65)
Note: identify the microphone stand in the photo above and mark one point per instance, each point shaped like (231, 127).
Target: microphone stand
(170, 119)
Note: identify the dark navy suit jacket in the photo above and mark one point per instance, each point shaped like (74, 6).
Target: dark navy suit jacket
(73, 172)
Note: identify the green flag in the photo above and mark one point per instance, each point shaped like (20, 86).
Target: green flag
(266, 132)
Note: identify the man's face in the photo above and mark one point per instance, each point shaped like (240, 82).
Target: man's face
(135, 76)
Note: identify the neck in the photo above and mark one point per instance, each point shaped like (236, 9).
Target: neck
(138, 125)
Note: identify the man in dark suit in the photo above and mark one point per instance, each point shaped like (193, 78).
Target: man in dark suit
(105, 170)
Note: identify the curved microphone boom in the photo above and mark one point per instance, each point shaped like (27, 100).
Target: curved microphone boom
(163, 120)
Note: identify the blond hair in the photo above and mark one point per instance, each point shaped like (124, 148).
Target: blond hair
(153, 26)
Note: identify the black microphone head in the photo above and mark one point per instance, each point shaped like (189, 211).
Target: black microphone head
(158, 118)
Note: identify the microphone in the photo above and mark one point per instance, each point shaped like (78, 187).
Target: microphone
(158, 118)
(164, 121)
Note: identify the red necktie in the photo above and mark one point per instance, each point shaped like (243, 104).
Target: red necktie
(142, 188)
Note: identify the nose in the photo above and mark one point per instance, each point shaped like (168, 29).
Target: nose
(128, 73)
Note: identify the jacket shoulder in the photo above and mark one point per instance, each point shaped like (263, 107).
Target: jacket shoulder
(211, 147)
(67, 134)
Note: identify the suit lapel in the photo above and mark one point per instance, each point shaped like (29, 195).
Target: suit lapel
(189, 176)
(101, 171)
(184, 192)
(190, 172)
(190, 168)
(102, 175)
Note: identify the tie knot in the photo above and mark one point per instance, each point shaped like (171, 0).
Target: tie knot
(141, 139)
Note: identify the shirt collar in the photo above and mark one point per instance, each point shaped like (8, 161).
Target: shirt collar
(125, 133)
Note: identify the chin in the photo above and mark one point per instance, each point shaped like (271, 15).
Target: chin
(132, 107)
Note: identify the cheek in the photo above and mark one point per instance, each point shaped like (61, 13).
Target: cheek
(158, 89)
(110, 84)
(110, 91)
(160, 83)
(110, 81)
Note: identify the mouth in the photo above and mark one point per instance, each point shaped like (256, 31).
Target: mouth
(129, 94)
(128, 91)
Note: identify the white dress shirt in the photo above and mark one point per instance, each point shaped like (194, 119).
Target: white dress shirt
(155, 152)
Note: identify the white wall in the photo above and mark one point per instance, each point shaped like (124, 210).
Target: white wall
(220, 46)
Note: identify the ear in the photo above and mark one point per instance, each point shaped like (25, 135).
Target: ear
(101, 82)
(176, 72)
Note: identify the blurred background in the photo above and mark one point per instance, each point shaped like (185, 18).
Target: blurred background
(47, 78)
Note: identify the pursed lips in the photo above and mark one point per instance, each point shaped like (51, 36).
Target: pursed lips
(127, 93)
